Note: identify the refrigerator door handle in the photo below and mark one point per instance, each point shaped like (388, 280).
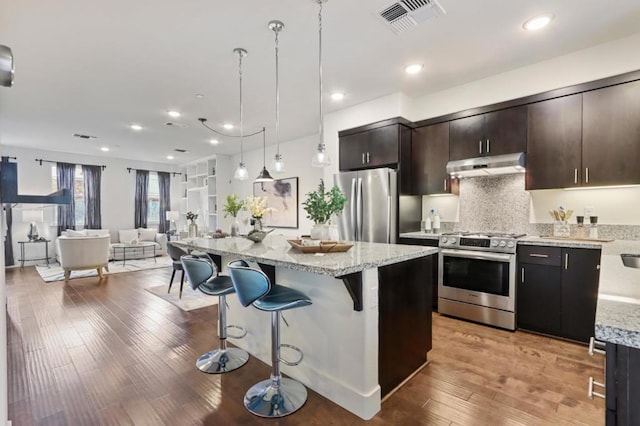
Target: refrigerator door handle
(359, 217)
(352, 212)
(390, 200)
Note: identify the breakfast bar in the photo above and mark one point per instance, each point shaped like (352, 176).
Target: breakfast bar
(368, 329)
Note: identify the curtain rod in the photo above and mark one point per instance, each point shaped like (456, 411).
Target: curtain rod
(157, 171)
(40, 160)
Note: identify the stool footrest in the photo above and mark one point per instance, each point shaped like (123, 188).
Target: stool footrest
(237, 327)
(295, 348)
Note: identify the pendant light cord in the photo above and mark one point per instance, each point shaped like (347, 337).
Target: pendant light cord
(240, 54)
(264, 148)
(321, 144)
(277, 100)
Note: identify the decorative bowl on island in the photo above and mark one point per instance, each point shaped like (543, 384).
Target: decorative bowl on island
(257, 236)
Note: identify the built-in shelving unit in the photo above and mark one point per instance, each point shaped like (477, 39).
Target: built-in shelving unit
(202, 185)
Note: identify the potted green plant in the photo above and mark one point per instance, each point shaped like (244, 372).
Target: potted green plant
(232, 207)
(320, 206)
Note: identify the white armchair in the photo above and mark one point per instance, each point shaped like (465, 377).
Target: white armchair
(78, 253)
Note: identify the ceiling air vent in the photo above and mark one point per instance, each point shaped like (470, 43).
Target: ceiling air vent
(406, 14)
(180, 150)
(174, 124)
(82, 136)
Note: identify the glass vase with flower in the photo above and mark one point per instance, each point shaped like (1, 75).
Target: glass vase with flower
(232, 207)
(193, 226)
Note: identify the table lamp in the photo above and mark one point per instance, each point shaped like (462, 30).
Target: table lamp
(32, 216)
(172, 216)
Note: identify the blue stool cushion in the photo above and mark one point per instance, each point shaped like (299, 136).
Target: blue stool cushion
(217, 286)
(281, 298)
(201, 276)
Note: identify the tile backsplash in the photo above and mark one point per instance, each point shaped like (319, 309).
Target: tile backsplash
(497, 203)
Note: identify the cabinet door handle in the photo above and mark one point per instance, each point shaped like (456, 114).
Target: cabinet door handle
(538, 255)
(586, 175)
(575, 175)
(363, 158)
(593, 393)
(522, 275)
(566, 261)
(488, 149)
(367, 158)
(480, 147)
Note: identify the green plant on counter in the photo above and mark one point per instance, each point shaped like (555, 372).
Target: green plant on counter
(320, 205)
(233, 205)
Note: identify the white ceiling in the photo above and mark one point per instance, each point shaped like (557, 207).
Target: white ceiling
(96, 67)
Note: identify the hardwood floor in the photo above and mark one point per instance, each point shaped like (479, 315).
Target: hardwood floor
(108, 352)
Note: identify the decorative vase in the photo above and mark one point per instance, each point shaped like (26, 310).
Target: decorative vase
(193, 230)
(257, 224)
(320, 231)
(235, 228)
(561, 228)
(333, 232)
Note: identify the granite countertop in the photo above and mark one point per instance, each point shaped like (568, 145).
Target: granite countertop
(618, 311)
(420, 235)
(276, 251)
(561, 242)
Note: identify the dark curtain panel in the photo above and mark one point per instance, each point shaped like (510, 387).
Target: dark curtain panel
(92, 179)
(164, 183)
(142, 195)
(66, 174)
(8, 240)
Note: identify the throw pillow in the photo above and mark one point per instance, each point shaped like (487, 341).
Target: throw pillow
(147, 234)
(72, 233)
(126, 236)
(97, 232)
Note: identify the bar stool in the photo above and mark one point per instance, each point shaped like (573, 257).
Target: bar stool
(176, 253)
(202, 275)
(276, 396)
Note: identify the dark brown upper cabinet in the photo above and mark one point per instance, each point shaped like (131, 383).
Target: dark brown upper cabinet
(382, 144)
(554, 143)
(493, 133)
(611, 135)
(429, 157)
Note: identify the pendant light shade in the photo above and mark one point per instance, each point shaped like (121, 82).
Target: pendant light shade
(278, 163)
(264, 175)
(320, 157)
(241, 172)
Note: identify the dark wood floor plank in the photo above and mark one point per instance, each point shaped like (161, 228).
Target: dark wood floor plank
(111, 353)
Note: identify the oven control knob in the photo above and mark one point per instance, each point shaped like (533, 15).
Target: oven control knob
(444, 240)
(502, 244)
(494, 243)
(510, 244)
(452, 240)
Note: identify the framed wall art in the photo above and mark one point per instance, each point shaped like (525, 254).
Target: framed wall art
(282, 195)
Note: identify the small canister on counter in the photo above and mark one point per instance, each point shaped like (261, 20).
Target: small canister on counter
(593, 231)
(581, 232)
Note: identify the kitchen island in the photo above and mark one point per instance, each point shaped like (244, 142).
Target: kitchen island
(368, 329)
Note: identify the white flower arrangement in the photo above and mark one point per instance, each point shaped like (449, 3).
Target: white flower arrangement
(257, 206)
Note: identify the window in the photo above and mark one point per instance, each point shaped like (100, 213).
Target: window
(153, 200)
(78, 193)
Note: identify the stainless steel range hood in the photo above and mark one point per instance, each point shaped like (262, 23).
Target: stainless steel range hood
(487, 166)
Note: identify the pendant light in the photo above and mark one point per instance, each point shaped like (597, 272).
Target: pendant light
(320, 157)
(278, 163)
(241, 172)
(264, 175)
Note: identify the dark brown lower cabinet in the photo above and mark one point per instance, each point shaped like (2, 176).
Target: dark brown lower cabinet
(557, 291)
(622, 385)
(404, 325)
(434, 269)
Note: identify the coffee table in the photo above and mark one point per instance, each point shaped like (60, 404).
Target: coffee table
(128, 247)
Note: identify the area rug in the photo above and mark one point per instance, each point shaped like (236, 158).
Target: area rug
(56, 273)
(191, 299)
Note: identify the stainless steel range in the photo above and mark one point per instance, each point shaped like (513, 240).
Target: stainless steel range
(477, 277)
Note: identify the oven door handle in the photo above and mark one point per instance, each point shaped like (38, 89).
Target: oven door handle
(480, 255)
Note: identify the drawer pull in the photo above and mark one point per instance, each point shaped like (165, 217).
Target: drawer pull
(594, 347)
(538, 255)
(593, 393)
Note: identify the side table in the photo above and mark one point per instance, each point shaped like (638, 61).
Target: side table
(22, 255)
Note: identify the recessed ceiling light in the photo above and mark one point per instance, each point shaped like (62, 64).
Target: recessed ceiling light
(174, 114)
(214, 141)
(337, 96)
(199, 96)
(537, 22)
(136, 127)
(228, 126)
(104, 148)
(170, 157)
(413, 68)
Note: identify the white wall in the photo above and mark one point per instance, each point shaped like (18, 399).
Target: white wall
(297, 156)
(118, 188)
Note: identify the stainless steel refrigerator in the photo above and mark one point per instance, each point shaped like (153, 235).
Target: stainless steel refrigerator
(371, 211)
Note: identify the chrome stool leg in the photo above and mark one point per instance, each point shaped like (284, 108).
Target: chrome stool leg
(223, 359)
(277, 396)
